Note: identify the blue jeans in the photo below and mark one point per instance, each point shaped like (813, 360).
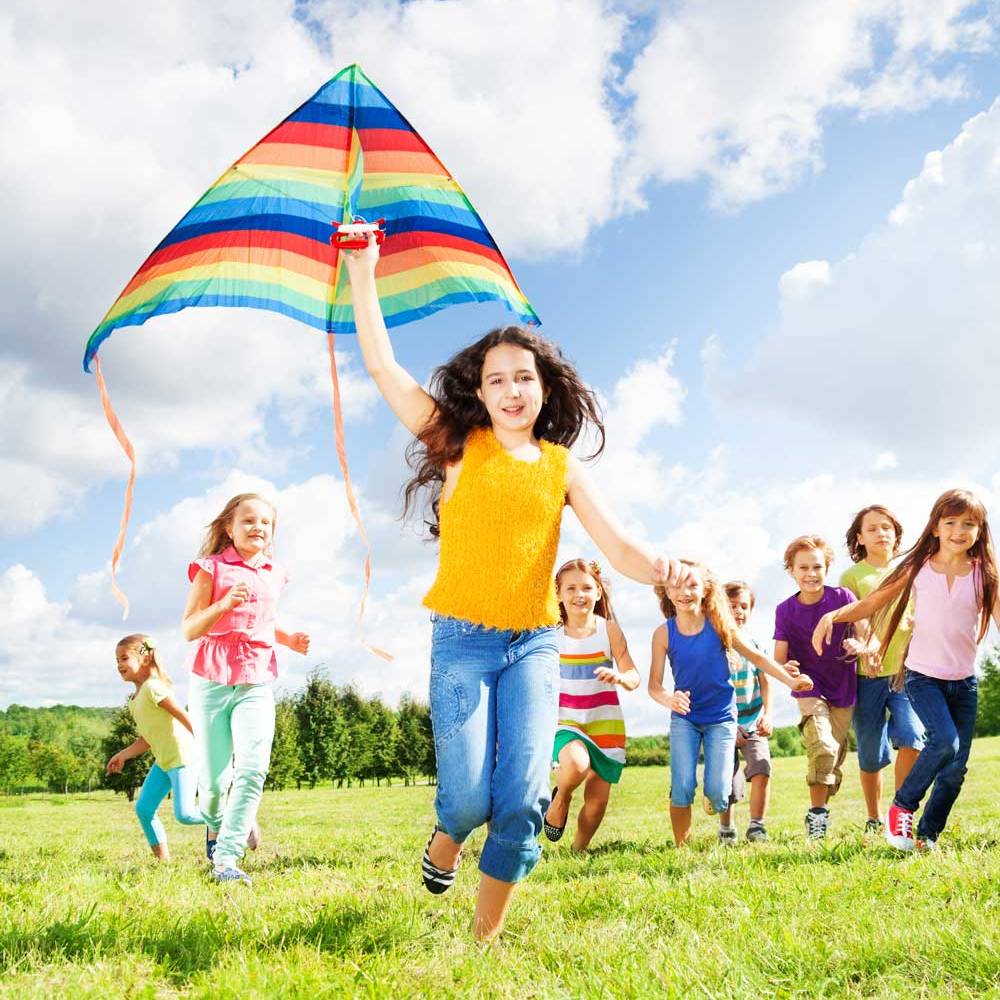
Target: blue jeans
(494, 705)
(183, 782)
(948, 711)
(883, 717)
(234, 728)
(686, 740)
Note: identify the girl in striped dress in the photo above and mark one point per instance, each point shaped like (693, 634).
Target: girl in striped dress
(593, 662)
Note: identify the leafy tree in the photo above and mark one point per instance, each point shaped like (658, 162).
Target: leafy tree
(988, 719)
(286, 763)
(786, 741)
(57, 766)
(413, 741)
(133, 774)
(384, 729)
(316, 713)
(15, 761)
(354, 752)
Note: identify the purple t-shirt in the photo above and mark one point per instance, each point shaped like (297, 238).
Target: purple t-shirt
(833, 673)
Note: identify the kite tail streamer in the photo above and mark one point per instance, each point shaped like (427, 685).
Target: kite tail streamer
(119, 432)
(338, 433)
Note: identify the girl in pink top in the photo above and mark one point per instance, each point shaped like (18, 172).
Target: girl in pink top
(231, 611)
(951, 573)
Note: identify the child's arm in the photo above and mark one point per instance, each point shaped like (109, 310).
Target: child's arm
(296, 641)
(764, 725)
(626, 556)
(866, 608)
(134, 749)
(200, 613)
(775, 667)
(627, 675)
(169, 705)
(411, 403)
(679, 701)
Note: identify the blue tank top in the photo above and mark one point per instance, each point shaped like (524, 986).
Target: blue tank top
(700, 666)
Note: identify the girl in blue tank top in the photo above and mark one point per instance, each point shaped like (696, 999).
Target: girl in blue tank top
(698, 637)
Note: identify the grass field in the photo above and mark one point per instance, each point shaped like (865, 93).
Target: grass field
(337, 908)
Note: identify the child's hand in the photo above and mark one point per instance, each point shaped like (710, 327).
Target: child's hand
(670, 572)
(680, 702)
(115, 765)
(741, 736)
(361, 263)
(235, 596)
(823, 633)
(802, 683)
(792, 667)
(608, 675)
(299, 642)
(764, 725)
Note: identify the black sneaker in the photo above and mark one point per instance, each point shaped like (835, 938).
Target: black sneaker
(756, 831)
(875, 826)
(817, 823)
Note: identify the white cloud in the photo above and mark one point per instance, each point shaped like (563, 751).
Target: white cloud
(901, 333)
(738, 93)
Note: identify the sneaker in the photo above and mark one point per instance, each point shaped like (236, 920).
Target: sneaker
(254, 836)
(926, 844)
(899, 828)
(209, 844)
(706, 804)
(817, 823)
(756, 831)
(231, 874)
(727, 837)
(873, 825)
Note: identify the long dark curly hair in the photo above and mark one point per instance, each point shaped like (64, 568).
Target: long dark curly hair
(570, 405)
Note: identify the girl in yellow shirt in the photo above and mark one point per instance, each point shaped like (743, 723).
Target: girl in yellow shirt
(492, 453)
(165, 729)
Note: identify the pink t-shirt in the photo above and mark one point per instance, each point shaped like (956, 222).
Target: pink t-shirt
(945, 624)
(239, 647)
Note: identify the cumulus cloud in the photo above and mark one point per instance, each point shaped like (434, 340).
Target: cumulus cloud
(906, 320)
(737, 93)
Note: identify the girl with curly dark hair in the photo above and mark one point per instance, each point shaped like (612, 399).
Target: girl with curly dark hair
(491, 454)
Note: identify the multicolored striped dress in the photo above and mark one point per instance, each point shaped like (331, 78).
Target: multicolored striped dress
(589, 709)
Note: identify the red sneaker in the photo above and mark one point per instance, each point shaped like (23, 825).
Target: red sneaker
(899, 828)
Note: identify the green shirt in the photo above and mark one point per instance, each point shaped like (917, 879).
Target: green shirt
(171, 743)
(861, 579)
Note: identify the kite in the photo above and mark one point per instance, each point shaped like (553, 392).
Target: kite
(268, 235)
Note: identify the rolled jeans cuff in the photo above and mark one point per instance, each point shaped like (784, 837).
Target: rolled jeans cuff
(508, 862)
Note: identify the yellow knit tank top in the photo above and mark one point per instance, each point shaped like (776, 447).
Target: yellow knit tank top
(499, 535)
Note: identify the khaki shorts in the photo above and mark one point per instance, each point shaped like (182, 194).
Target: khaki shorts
(824, 729)
(757, 754)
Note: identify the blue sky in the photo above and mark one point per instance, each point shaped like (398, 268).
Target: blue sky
(770, 246)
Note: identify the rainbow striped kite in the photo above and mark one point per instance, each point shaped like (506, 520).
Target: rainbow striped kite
(260, 236)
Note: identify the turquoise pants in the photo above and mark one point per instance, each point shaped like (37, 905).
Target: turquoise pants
(179, 780)
(234, 727)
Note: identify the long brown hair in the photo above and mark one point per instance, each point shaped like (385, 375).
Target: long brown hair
(951, 503)
(593, 570)
(143, 644)
(217, 538)
(714, 604)
(856, 550)
(569, 407)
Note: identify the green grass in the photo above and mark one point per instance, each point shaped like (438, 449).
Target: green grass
(337, 908)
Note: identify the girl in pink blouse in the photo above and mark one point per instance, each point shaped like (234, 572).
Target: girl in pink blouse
(951, 573)
(231, 611)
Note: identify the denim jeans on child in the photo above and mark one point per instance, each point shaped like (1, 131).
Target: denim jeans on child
(883, 717)
(494, 703)
(183, 783)
(686, 740)
(948, 711)
(234, 727)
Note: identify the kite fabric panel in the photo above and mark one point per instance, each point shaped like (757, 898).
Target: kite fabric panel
(260, 236)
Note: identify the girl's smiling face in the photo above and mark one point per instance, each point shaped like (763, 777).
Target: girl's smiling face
(957, 533)
(131, 667)
(578, 593)
(511, 388)
(251, 527)
(878, 535)
(688, 596)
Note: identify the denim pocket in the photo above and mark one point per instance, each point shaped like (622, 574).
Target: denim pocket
(449, 704)
(970, 683)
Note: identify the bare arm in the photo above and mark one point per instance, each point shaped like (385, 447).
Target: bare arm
(411, 403)
(135, 749)
(169, 705)
(796, 681)
(679, 701)
(626, 675)
(296, 641)
(629, 558)
(200, 613)
(764, 724)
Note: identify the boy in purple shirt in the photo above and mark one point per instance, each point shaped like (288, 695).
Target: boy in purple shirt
(826, 709)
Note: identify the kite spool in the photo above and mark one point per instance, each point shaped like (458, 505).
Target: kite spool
(354, 235)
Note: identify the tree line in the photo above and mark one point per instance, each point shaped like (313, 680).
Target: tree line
(323, 733)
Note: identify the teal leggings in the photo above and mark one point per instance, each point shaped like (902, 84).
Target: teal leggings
(179, 780)
(234, 727)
